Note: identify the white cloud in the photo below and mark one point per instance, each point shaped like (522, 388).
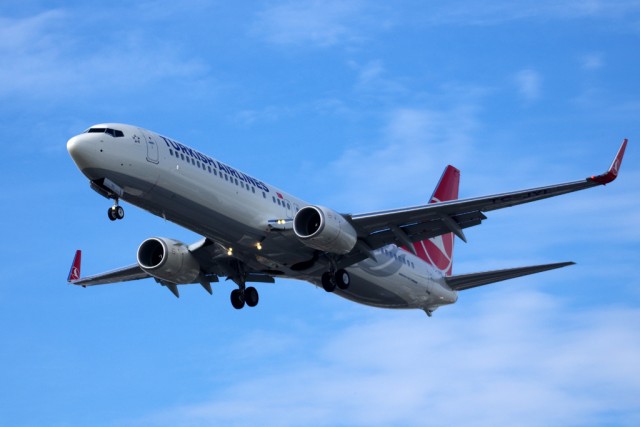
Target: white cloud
(515, 358)
(54, 54)
(592, 61)
(315, 22)
(464, 12)
(528, 82)
(416, 144)
(373, 80)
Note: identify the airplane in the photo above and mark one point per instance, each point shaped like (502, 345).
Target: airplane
(253, 232)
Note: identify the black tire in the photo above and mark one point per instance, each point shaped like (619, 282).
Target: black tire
(119, 212)
(342, 279)
(328, 282)
(111, 213)
(251, 296)
(237, 299)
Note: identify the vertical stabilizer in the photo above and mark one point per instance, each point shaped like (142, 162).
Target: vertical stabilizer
(438, 251)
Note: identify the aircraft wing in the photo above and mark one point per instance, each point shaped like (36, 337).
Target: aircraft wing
(132, 272)
(206, 253)
(405, 226)
(468, 281)
(125, 274)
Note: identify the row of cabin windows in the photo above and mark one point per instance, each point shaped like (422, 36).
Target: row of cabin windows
(214, 171)
(242, 184)
(282, 203)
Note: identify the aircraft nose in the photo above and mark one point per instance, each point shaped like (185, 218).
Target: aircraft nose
(75, 148)
(83, 151)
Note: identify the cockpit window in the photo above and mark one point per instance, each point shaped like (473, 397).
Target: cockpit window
(113, 132)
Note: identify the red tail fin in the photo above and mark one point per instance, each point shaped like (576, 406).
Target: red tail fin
(74, 272)
(438, 251)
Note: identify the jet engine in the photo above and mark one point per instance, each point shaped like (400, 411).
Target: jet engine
(168, 260)
(324, 229)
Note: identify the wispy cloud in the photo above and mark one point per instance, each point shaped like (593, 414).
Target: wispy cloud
(592, 61)
(414, 144)
(373, 80)
(51, 55)
(507, 351)
(465, 12)
(316, 23)
(529, 84)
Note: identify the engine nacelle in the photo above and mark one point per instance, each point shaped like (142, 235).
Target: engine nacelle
(169, 260)
(324, 229)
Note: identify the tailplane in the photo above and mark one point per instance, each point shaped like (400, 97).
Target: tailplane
(468, 281)
(438, 251)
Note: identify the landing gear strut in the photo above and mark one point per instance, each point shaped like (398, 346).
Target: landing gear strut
(115, 212)
(340, 279)
(243, 295)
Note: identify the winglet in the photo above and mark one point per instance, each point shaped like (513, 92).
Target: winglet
(74, 271)
(612, 173)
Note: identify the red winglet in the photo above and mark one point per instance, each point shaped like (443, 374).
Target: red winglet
(612, 173)
(74, 272)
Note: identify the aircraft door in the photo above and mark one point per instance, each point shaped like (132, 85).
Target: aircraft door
(153, 155)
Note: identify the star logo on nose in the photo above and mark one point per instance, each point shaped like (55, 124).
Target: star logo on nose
(136, 139)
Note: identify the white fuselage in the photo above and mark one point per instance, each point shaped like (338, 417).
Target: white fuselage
(247, 216)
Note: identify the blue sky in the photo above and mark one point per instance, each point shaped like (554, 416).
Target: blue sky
(359, 106)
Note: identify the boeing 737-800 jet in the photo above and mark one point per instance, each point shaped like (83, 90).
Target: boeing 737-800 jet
(254, 232)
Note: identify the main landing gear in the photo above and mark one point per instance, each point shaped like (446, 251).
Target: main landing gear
(115, 212)
(242, 296)
(340, 279)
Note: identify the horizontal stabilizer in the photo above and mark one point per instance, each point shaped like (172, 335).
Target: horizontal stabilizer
(468, 281)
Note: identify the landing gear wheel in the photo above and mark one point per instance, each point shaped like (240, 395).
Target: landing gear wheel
(119, 212)
(251, 296)
(342, 279)
(115, 212)
(328, 282)
(111, 213)
(237, 299)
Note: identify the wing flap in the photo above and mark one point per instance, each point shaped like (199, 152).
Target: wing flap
(467, 281)
(419, 231)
